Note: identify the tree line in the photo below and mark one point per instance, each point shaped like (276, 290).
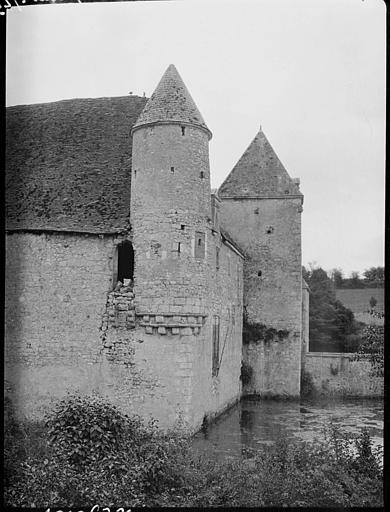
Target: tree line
(332, 326)
(373, 277)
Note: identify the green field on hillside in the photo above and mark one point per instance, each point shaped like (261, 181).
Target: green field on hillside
(358, 300)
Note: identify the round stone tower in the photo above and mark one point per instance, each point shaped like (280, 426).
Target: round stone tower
(170, 202)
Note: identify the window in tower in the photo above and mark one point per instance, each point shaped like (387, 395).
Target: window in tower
(217, 258)
(177, 247)
(199, 245)
(201, 175)
(172, 170)
(183, 130)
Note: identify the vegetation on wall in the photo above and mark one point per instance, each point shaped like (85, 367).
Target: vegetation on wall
(254, 332)
(150, 469)
(332, 326)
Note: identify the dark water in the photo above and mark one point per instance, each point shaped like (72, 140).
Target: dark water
(250, 424)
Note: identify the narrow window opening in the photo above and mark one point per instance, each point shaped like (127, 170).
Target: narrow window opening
(182, 227)
(199, 245)
(215, 360)
(135, 172)
(125, 261)
(172, 170)
(217, 258)
(259, 273)
(179, 247)
(183, 130)
(202, 175)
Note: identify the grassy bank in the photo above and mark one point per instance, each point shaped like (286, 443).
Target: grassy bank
(88, 452)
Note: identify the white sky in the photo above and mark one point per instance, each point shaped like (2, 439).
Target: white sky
(311, 72)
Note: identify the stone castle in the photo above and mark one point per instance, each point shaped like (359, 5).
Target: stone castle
(127, 276)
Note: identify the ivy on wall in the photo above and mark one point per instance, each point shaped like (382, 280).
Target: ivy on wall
(255, 332)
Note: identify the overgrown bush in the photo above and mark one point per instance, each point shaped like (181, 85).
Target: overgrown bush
(147, 468)
(86, 429)
(246, 373)
(307, 384)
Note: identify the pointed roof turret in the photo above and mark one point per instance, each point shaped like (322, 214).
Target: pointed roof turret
(259, 173)
(171, 103)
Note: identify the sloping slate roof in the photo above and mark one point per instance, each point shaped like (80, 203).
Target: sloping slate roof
(171, 101)
(68, 164)
(258, 173)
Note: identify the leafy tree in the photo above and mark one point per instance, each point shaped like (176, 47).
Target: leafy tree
(330, 322)
(372, 348)
(337, 277)
(374, 276)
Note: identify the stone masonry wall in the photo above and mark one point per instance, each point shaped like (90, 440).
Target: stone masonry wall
(269, 231)
(55, 294)
(170, 204)
(66, 330)
(213, 394)
(305, 320)
(338, 375)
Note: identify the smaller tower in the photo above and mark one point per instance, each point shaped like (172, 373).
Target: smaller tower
(261, 208)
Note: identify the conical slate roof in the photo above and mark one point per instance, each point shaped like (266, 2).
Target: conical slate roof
(171, 103)
(259, 173)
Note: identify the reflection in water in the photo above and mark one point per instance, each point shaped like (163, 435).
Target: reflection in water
(251, 424)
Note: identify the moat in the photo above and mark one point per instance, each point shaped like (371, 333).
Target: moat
(252, 423)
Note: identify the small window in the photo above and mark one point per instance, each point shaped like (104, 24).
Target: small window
(135, 172)
(233, 315)
(201, 175)
(182, 227)
(259, 273)
(183, 130)
(215, 361)
(199, 245)
(217, 258)
(176, 247)
(172, 170)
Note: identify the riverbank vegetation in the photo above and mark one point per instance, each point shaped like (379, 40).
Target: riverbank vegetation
(88, 452)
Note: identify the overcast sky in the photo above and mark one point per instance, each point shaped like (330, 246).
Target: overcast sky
(310, 72)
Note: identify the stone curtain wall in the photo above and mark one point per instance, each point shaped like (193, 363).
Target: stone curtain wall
(55, 295)
(337, 374)
(269, 230)
(213, 394)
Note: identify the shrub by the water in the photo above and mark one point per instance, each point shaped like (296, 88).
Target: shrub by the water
(246, 373)
(143, 467)
(307, 384)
